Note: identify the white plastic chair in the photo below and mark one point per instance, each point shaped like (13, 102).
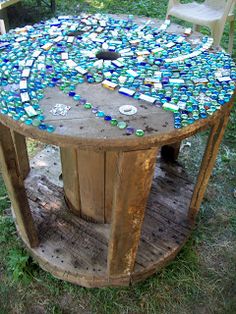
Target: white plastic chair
(212, 13)
(2, 27)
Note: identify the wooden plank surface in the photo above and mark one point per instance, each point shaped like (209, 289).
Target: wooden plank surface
(110, 178)
(21, 153)
(76, 250)
(91, 170)
(135, 173)
(15, 187)
(88, 180)
(69, 163)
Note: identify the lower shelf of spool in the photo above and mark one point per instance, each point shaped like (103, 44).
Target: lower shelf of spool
(75, 250)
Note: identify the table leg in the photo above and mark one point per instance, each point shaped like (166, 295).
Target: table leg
(131, 189)
(21, 153)
(15, 186)
(196, 28)
(4, 17)
(208, 161)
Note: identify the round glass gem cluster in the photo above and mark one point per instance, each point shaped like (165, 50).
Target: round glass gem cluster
(173, 71)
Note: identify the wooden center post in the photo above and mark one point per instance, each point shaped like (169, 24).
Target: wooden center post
(91, 179)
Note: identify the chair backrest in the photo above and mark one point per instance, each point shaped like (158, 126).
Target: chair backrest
(226, 6)
(221, 4)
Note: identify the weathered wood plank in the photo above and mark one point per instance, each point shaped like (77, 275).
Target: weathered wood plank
(91, 169)
(82, 181)
(21, 153)
(208, 161)
(69, 163)
(76, 250)
(110, 178)
(15, 187)
(135, 173)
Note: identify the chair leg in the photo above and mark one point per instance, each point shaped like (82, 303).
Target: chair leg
(196, 28)
(217, 33)
(231, 37)
(4, 21)
(2, 27)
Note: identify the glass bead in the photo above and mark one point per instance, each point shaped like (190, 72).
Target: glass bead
(36, 122)
(100, 114)
(130, 131)
(28, 121)
(50, 128)
(77, 97)
(121, 125)
(53, 71)
(42, 126)
(87, 106)
(139, 133)
(114, 122)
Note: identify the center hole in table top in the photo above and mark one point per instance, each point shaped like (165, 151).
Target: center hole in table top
(107, 55)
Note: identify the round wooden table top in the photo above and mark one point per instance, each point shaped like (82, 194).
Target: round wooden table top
(80, 126)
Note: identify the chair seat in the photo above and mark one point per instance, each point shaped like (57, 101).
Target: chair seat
(196, 13)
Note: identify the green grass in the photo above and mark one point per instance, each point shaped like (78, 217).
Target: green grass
(202, 279)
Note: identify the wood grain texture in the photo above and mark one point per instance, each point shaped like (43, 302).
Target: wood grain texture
(88, 179)
(118, 143)
(91, 170)
(76, 250)
(110, 179)
(208, 161)
(21, 153)
(135, 172)
(69, 163)
(15, 187)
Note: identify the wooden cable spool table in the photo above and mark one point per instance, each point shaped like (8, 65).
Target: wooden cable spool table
(122, 213)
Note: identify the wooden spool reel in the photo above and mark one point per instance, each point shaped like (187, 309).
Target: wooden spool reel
(117, 233)
(126, 215)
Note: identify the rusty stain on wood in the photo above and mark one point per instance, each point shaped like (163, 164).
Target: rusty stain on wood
(135, 172)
